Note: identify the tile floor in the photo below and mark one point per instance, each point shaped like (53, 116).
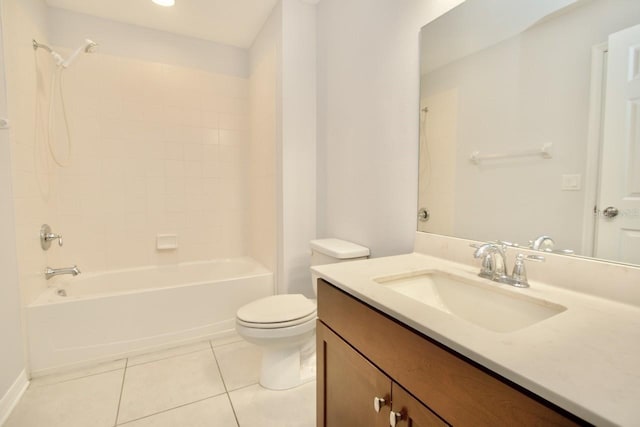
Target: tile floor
(203, 384)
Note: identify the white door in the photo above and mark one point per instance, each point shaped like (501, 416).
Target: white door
(618, 234)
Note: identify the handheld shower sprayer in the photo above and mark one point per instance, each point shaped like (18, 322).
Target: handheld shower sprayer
(88, 47)
(57, 90)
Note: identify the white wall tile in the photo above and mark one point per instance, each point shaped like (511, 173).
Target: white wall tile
(146, 160)
(174, 185)
(232, 137)
(233, 122)
(193, 152)
(172, 150)
(210, 119)
(211, 136)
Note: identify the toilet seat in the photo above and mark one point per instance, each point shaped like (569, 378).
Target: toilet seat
(278, 311)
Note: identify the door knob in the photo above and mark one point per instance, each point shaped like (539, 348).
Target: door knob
(378, 403)
(610, 212)
(423, 215)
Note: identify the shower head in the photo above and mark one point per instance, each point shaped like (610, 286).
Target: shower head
(88, 47)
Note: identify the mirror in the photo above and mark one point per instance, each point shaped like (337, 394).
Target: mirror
(530, 125)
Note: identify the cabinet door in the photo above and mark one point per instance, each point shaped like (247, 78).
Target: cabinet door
(407, 411)
(348, 384)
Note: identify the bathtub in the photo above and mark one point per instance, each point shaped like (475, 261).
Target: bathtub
(108, 315)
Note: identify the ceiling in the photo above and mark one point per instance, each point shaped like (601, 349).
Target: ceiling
(230, 22)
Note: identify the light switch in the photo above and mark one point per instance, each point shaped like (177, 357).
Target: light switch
(571, 182)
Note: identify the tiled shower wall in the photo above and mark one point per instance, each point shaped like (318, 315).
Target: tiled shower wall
(24, 20)
(156, 149)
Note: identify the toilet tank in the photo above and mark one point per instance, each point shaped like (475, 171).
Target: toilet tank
(329, 251)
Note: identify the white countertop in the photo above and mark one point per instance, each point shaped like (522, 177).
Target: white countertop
(585, 359)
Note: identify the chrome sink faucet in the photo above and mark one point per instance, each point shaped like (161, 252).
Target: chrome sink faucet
(494, 260)
(494, 264)
(542, 243)
(50, 272)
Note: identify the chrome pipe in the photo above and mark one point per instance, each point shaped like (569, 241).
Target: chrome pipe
(37, 45)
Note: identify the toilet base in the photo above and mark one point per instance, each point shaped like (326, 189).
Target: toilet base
(285, 368)
(280, 369)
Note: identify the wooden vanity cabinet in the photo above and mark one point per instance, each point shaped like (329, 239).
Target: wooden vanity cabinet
(363, 354)
(355, 383)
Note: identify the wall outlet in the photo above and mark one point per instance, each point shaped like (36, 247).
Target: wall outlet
(571, 182)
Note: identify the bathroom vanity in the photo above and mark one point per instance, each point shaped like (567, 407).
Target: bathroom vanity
(365, 354)
(385, 357)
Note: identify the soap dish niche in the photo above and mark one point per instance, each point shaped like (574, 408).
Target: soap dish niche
(166, 242)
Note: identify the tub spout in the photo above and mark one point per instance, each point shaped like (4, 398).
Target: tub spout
(50, 272)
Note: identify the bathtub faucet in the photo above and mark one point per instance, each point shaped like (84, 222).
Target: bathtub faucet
(50, 272)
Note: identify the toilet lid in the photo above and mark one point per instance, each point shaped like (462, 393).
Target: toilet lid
(277, 309)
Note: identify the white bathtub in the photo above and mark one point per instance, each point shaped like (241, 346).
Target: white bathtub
(113, 314)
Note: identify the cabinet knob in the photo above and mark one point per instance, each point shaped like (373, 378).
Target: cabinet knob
(394, 417)
(378, 403)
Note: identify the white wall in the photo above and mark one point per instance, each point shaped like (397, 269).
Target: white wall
(69, 29)
(262, 239)
(12, 360)
(284, 132)
(298, 145)
(23, 21)
(368, 89)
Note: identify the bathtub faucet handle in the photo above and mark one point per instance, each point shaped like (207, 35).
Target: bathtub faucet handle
(46, 236)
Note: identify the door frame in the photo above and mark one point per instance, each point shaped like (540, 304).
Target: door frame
(594, 147)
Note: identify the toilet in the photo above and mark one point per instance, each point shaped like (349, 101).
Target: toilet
(284, 325)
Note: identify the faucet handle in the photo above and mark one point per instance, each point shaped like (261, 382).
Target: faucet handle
(504, 243)
(46, 236)
(519, 275)
(534, 258)
(484, 251)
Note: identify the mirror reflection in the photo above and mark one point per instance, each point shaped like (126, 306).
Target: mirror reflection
(530, 125)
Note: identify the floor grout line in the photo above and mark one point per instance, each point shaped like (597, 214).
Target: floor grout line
(224, 384)
(124, 375)
(233, 410)
(170, 409)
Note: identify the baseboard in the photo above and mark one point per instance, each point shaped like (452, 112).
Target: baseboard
(227, 335)
(12, 396)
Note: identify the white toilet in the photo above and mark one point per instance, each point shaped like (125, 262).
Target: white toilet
(284, 325)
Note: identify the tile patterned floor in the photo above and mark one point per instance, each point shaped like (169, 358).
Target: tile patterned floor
(203, 384)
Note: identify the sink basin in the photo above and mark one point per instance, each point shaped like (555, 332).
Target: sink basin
(475, 300)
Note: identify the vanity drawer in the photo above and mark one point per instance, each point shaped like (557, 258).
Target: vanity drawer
(457, 389)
